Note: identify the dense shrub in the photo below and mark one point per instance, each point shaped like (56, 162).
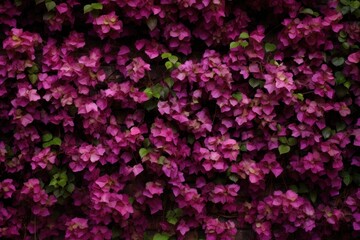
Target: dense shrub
(179, 119)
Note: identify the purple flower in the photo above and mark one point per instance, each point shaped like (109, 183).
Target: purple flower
(108, 24)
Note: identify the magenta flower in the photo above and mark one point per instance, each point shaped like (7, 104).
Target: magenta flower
(77, 228)
(7, 188)
(136, 69)
(153, 188)
(91, 153)
(21, 42)
(43, 159)
(108, 24)
(253, 127)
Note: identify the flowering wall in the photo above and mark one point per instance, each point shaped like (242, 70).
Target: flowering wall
(179, 119)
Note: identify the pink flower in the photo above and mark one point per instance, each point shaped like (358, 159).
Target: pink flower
(77, 228)
(101, 232)
(44, 158)
(136, 69)
(153, 188)
(22, 42)
(269, 163)
(7, 188)
(108, 24)
(179, 37)
(354, 57)
(91, 153)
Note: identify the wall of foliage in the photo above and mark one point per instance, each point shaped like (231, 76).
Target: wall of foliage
(179, 119)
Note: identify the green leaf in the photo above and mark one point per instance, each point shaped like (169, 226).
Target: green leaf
(47, 137)
(347, 84)
(72, 110)
(146, 236)
(148, 92)
(292, 141)
(345, 2)
(300, 96)
(70, 187)
(171, 217)
(243, 147)
(283, 140)
(150, 104)
(346, 178)
(63, 175)
(356, 178)
(244, 44)
(115, 232)
(173, 59)
(50, 189)
(177, 64)
(71, 177)
(161, 160)
(339, 78)
(345, 10)
(310, 12)
(53, 182)
(33, 78)
(340, 126)
(156, 90)
(164, 92)
(57, 193)
(143, 152)
(269, 47)
(18, 3)
(190, 139)
(283, 149)
(234, 178)
(354, 5)
(172, 220)
(166, 55)
(313, 196)
(294, 188)
(50, 5)
(62, 182)
(244, 35)
(307, 11)
(326, 132)
(342, 34)
(151, 22)
(341, 91)
(255, 82)
(87, 8)
(56, 141)
(356, 13)
(303, 188)
(345, 45)
(34, 69)
(169, 81)
(37, 2)
(146, 142)
(237, 96)
(338, 61)
(234, 44)
(97, 6)
(178, 212)
(340, 39)
(161, 236)
(168, 65)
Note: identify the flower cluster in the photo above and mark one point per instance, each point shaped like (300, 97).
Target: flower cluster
(186, 119)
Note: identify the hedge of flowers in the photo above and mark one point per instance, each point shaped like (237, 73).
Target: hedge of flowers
(179, 119)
